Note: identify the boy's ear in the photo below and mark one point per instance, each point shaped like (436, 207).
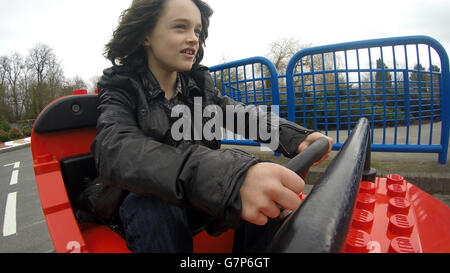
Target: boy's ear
(146, 41)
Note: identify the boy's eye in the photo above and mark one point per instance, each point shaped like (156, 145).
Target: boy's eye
(197, 32)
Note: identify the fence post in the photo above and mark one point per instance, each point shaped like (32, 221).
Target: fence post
(445, 98)
(445, 113)
(407, 104)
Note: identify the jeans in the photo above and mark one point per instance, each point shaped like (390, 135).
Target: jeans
(153, 226)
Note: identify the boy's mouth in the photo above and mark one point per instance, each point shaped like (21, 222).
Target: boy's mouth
(189, 51)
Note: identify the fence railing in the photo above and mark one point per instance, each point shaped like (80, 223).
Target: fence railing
(252, 81)
(401, 85)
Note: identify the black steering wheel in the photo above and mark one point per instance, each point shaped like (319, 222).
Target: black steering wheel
(321, 223)
(300, 163)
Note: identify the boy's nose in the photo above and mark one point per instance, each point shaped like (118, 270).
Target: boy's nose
(193, 39)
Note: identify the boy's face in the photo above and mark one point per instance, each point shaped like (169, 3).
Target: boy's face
(173, 44)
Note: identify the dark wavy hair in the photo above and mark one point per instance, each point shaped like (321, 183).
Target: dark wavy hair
(136, 23)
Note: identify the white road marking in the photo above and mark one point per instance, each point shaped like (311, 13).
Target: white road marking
(16, 165)
(9, 223)
(14, 177)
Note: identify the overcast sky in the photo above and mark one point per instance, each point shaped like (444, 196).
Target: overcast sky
(77, 30)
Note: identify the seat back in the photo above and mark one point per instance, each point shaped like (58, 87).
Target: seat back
(60, 145)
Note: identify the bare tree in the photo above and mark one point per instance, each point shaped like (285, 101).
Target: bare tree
(93, 82)
(40, 59)
(72, 84)
(29, 84)
(26, 85)
(13, 68)
(48, 76)
(5, 109)
(3, 85)
(281, 52)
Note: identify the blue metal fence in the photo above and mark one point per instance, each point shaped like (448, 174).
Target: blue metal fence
(252, 81)
(401, 85)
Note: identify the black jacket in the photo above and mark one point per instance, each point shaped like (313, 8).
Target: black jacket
(134, 150)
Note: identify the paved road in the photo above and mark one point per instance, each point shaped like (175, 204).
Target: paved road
(22, 224)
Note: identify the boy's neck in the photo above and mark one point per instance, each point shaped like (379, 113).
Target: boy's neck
(166, 80)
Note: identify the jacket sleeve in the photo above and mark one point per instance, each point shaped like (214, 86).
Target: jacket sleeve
(290, 135)
(197, 176)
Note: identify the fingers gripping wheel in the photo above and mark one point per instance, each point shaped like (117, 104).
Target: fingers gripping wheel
(303, 161)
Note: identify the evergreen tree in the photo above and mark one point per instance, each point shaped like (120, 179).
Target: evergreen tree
(383, 78)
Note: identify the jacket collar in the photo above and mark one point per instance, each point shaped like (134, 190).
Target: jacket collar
(151, 85)
(190, 87)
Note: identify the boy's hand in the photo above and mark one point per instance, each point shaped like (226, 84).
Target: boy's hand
(310, 139)
(266, 186)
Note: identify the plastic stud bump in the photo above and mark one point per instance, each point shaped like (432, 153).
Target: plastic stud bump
(357, 241)
(395, 179)
(366, 201)
(402, 245)
(396, 190)
(400, 225)
(362, 219)
(399, 205)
